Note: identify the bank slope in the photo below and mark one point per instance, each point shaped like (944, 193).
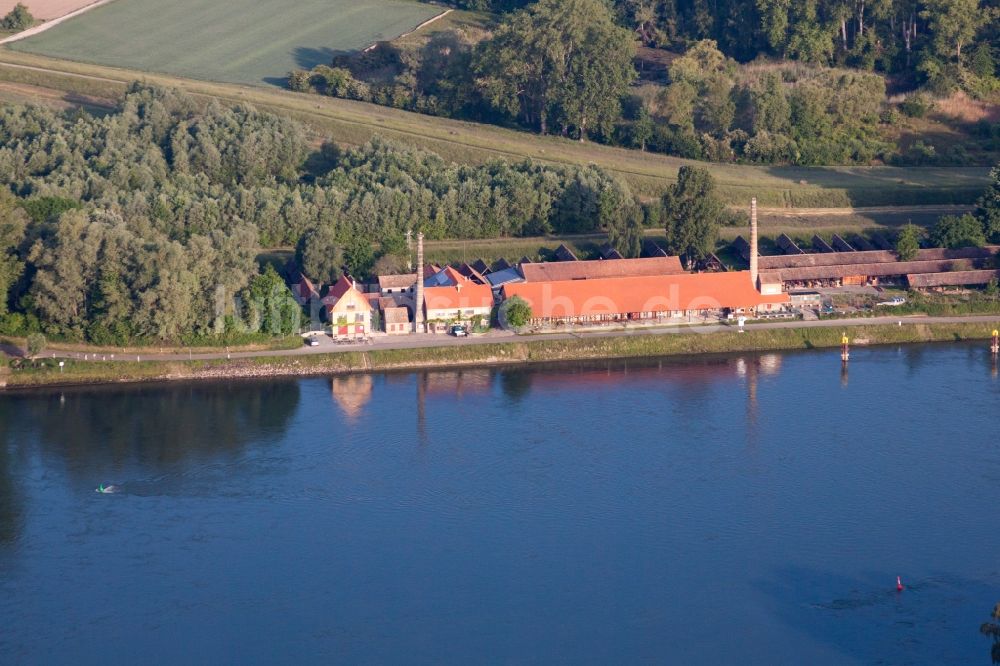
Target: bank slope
(352, 123)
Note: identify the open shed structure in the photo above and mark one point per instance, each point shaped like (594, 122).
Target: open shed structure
(835, 269)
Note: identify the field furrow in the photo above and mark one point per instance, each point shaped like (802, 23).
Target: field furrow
(239, 41)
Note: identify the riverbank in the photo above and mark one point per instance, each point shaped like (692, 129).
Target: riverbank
(517, 351)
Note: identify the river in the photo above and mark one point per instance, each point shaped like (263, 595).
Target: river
(743, 509)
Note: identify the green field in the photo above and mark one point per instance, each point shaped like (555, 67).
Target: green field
(238, 41)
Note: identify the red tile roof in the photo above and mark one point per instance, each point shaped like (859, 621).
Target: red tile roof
(305, 289)
(404, 281)
(397, 315)
(607, 268)
(953, 279)
(782, 262)
(585, 298)
(468, 296)
(338, 289)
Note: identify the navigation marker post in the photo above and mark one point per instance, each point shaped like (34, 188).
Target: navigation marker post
(995, 343)
(845, 349)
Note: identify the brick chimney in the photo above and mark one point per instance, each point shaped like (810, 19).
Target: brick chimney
(753, 242)
(409, 251)
(418, 305)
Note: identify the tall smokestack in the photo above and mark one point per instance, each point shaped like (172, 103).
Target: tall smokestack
(753, 241)
(418, 309)
(409, 251)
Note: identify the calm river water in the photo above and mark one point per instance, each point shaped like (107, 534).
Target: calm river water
(745, 509)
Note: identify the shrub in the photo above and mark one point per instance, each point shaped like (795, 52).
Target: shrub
(36, 343)
(953, 232)
(890, 116)
(299, 81)
(916, 105)
(515, 312)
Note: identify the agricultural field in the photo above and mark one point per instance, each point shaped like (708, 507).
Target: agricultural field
(238, 41)
(46, 10)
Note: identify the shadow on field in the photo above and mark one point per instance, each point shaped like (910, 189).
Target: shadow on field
(307, 58)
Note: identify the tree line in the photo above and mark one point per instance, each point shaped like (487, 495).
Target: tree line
(940, 42)
(144, 224)
(815, 93)
(943, 43)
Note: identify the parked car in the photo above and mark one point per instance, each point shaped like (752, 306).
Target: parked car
(895, 300)
(458, 331)
(312, 341)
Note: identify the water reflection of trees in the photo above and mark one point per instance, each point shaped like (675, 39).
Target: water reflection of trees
(157, 425)
(11, 513)
(515, 383)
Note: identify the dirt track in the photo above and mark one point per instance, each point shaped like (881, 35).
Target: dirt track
(826, 212)
(70, 9)
(45, 10)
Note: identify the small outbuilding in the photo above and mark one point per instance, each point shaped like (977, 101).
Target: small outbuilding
(397, 320)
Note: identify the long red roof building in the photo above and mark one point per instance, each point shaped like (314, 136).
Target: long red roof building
(642, 297)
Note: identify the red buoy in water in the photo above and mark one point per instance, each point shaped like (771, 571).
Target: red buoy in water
(899, 584)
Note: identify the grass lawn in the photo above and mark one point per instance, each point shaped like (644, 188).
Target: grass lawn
(239, 41)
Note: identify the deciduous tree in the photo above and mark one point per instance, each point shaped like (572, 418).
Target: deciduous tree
(692, 211)
(952, 231)
(558, 59)
(988, 209)
(908, 242)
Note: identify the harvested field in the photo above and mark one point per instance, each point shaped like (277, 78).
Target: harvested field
(46, 9)
(239, 41)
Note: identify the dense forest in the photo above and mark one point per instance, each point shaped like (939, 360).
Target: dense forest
(768, 81)
(144, 224)
(923, 40)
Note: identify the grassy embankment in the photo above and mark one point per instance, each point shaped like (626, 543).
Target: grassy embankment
(521, 351)
(273, 344)
(353, 123)
(800, 227)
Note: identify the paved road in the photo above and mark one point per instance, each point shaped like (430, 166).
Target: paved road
(416, 341)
